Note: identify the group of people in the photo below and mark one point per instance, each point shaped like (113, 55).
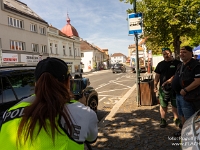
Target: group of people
(176, 79)
(51, 119)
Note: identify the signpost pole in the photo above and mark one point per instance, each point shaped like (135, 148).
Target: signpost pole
(0, 56)
(137, 61)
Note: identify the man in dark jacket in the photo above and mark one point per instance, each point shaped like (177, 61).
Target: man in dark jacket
(165, 71)
(186, 79)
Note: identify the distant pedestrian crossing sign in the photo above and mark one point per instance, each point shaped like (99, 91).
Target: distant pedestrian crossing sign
(135, 23)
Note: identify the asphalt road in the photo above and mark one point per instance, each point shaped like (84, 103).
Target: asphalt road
(110, 87)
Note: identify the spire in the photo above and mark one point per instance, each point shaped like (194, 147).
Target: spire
(68, 19)
(68, 29)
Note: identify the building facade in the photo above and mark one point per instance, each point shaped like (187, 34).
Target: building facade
(118, 58)
(64, 47)
(71, 47)
(93, 57)
(23, 34)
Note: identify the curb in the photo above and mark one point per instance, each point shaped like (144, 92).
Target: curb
(116, 107)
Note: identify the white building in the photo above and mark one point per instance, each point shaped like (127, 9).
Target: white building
(64, 47)
(118, 58)
(23, 35)
(92, 57)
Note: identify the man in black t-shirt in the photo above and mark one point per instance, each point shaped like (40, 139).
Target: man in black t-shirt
(187, 79)
(165, 71)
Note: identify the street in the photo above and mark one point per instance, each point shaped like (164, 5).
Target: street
(110, 87)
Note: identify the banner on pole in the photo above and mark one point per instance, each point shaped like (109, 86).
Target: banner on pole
(135, 23)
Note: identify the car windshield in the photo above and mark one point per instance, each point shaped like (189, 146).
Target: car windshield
(22, 82)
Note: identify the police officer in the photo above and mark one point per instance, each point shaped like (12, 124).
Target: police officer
(49, 120)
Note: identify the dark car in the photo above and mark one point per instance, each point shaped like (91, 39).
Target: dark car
(17, 83)
(118, 68)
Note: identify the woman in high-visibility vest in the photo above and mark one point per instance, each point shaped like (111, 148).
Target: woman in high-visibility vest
(49, 120)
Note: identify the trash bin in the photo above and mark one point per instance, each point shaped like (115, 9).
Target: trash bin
(147, 94)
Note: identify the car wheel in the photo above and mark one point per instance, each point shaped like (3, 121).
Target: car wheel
(93, 104)
(113, 72)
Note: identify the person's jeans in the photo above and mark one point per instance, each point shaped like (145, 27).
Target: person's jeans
(184, 108)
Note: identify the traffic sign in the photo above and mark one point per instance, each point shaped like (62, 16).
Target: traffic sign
(135, 23)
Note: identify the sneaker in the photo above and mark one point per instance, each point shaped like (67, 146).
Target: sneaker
(163, 123)
(177, 122)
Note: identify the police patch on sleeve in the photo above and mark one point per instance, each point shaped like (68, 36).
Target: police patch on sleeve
(10, 115)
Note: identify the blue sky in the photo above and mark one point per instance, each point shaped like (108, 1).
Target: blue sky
(100, 22)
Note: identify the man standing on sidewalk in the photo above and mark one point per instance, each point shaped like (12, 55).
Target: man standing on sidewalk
(187, 78)
(165, 71)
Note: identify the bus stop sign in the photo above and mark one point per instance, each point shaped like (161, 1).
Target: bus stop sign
(135, 23)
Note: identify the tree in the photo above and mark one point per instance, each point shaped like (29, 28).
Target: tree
(165, 22)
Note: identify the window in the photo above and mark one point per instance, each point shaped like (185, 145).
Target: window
(33, 27)
(78, 53)
(34, 47)
(0, 43)
(15, 22)
(56, 48)
(17, 45)
(70, 51)
(42, 30)
(64, 52)
(43, 48)
(82, 54)
(75, 51)
(51, 48)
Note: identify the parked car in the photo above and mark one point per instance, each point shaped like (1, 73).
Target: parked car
(118, 68)
(17, 83)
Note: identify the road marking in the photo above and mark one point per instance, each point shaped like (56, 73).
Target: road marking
(102, 99)
(106, 95)
(102, 86)
(118, 104)
(113, 100)
(114, 90)
(122, 84)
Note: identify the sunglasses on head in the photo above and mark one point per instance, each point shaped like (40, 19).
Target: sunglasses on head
(164, 49)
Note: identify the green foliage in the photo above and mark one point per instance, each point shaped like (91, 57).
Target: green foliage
(165, 22)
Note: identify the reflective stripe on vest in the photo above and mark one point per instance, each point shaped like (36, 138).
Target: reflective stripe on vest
(43, 141)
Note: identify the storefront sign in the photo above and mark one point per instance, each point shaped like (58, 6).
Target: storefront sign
(8, 57)
(69, 62)
(29, 58)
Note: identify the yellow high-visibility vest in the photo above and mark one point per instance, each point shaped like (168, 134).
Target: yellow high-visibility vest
(8, 134)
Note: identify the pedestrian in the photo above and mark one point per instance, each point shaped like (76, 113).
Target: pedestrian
(187, 78)
(165, 71)
(49, 120)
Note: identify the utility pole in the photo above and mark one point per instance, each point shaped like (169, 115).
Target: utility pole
(137, 61)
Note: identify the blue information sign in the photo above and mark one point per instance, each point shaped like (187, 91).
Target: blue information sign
(135, 23)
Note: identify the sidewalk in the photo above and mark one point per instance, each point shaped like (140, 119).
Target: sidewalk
(136, 128)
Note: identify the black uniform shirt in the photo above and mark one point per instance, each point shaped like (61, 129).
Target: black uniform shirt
(166, 69)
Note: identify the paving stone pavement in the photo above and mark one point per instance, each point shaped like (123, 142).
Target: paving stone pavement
(137, 128)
